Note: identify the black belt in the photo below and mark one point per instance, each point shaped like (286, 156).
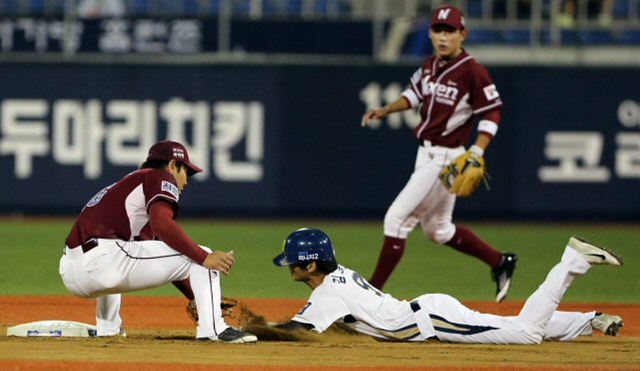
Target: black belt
(90, 244)
(415, 306)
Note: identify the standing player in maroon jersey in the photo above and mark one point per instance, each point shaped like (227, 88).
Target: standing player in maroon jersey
(126, 239)
(453, 91)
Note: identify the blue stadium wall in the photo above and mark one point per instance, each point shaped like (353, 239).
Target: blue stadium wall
(286, 140)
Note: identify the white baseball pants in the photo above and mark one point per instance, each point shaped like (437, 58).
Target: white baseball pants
(424, 199)
(114, 267)
(449, 320)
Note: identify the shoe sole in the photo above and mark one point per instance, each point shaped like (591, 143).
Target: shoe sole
(614, 328)
(242, 340)
(606, 256)
(503, 293)
(121, 334)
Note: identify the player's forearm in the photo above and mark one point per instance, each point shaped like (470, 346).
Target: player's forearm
(178, 240)
(482, 143)
(487, 129)
(400, 104)
(162, 223)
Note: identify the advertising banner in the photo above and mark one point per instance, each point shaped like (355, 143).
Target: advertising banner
(286, 140)
(162, 35)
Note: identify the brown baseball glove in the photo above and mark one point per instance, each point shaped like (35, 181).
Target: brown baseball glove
(226, 304)
(464, 174)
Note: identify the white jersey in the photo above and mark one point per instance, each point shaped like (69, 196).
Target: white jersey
(345, 295)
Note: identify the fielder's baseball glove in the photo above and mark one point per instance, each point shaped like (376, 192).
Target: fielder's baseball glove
(464, 174)
(226, 304)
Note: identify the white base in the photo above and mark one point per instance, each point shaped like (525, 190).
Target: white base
(55, 328)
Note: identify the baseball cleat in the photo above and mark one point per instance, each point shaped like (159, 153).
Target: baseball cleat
(594, 255)
(607, 324)
(192, 310)
(502, 275)
(233, 336)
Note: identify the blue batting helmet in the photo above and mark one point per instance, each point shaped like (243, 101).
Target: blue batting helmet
(305, 245)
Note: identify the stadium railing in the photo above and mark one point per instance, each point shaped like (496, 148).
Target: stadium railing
(397, 26)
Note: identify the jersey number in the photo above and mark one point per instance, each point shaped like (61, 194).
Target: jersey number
(304, 308)
(364, 284)
(339, 279)
(96, 199)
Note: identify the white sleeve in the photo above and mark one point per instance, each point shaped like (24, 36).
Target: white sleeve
(324, 307)
(411, 96)
(414, 92)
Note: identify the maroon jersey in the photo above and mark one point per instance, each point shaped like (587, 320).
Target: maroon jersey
(451, 93)
(120, 211)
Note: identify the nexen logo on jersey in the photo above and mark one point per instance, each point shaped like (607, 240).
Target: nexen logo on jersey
(168, 187)
(444, 94)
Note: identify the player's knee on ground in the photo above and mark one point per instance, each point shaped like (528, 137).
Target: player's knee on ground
(535, 338)
(439, 233)
(533, 334)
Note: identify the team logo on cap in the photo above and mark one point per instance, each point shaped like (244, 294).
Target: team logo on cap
(178, 152)
(303, 257)
(444, 13)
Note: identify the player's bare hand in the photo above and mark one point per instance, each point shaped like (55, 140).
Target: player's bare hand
(373, 114)
(220, 260)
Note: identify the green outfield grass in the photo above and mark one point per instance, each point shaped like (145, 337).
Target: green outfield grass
(30, 251)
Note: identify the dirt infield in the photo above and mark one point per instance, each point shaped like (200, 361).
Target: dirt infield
(160, 337)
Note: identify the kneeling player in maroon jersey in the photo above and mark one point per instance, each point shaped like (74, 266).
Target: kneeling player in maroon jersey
(126, 239)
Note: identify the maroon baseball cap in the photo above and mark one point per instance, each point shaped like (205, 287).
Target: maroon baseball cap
(168, 150)
(448, 15)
